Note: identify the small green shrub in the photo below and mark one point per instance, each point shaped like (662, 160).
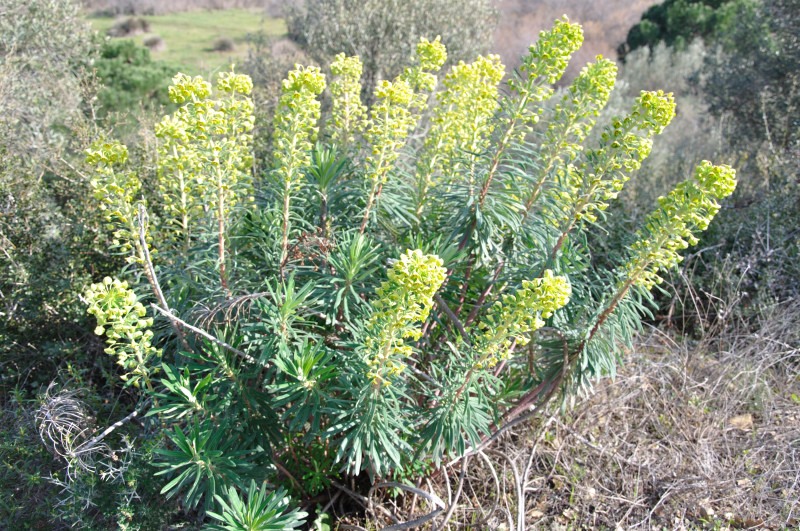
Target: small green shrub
(130, 78)
(678, 22)
(379, 302)
(223, 44)
(129, 27)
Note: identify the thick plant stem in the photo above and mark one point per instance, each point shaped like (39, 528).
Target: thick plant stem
(323, 217)
(551, 258)
(537, 190)
(285, 237)
(150, 273)
(512, 125)
(569, 357)
(370, 200)
(453, 317)
(485, 293)
(178, 322)
(221, 235)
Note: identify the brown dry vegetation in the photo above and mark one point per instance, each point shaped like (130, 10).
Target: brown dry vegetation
(605, 25)
(690, 435)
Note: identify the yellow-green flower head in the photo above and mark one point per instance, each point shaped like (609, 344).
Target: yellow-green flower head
(116, 191)
(107, 153)
(431, 55)
(544, 64)
(513, 318)
(655, 110)
(232, 82)
(604, 172)
(123, 320)
(174, 128)
(345, 66)
(547, 294)
(204, 153)
(348, 112)
(185, 88)
(550, 55)
(413, 280)
(574, 114)
(595, 82)
(296, 122)
(391, 121)
(398, 92)
(404, 299)
(304, 79)
(719, 181)
(688, 209)
(463, 120)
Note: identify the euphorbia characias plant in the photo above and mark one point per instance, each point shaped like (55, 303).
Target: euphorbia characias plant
(402, 288)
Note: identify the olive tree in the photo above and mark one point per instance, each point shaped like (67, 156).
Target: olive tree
(383, 33)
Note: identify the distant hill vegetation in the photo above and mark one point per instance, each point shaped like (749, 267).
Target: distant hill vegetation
(677, 22)
(605, 23)
(161, 7)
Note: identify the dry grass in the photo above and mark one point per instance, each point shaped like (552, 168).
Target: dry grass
(689, 436)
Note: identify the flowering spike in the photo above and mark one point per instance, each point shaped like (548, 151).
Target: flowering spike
(185, 88)
(463, 120)
(688, 209)
(232, 82)
(511, 320)
(116, 190)
(430, 57)
(123, 320)
(573, 119)
(545, 63)
(296, 122)
(205, 153)
(295, 130)
(404, 300)
(391, 121)
(348, 111)
(586, 189)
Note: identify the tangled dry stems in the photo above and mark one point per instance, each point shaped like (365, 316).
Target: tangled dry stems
(67, 430)
(689, 435)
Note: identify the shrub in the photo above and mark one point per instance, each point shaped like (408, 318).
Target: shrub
(131, 78)
(155, 43)
(748, 88)
(129, 27)
(380, 303)
(223, 44)
(382, 33)
(678, 22)
(49, 242)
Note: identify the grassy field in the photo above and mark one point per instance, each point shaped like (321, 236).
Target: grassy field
(190, 36)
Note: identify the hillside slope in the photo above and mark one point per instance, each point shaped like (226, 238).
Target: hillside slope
(605, 25)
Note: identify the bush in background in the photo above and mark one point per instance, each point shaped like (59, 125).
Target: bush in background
(382, 33)
(223, 44)
(131, 79)
(678, 22)
(739, 93)
(112, 8)
(129, 27)
(49, 239)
